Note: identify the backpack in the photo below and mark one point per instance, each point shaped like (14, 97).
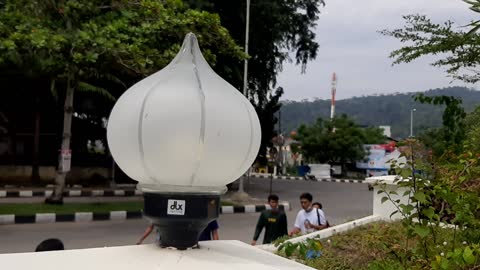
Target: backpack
(318, 218)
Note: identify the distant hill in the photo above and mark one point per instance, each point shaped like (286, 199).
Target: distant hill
(392, 110)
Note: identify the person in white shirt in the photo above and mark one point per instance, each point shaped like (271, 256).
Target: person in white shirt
(309, 219)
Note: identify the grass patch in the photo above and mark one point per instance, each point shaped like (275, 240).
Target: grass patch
(222, 203)
(373, 246)
(357, 248)
(68, 208)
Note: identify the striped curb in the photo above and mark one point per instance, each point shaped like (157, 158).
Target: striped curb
(267, 176)
(136, 192)
(251, 208)
(74, 217)
(116, 215)
(70, 193)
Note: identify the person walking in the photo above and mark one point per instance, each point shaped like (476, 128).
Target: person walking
(210, 232)
(309, 219)
(274, 221)
(147, 232)
(50, 244)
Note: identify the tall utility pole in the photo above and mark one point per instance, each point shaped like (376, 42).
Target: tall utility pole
(411, 121)
(245, 76)
(334, 92)
(281, 143)
(245, 67)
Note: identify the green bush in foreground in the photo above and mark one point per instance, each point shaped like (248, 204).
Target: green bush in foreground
(441, 192)
(377, 246)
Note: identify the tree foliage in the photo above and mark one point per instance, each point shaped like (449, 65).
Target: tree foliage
(460, 47)
(452, 134)
(339, 140)
(126, 38)
(439, 190)
(99, 46)
(278, 28)
(110, 46)
(459, 52)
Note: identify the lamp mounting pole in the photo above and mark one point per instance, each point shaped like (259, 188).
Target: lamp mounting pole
(245, 76)
(411, 121)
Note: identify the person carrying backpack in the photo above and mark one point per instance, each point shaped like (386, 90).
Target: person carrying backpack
(309, 219)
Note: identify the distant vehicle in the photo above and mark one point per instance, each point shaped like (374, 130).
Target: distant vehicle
(319, 171)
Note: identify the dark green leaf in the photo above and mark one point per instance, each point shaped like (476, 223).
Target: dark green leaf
(422, 231)
(289, 249)
(429, 212)
(420, 196)
(384, 199)
(468, 256)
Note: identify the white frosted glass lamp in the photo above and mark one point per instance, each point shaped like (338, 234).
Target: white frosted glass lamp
(183, 133)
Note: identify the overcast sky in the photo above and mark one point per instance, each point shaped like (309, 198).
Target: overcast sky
(351, 46)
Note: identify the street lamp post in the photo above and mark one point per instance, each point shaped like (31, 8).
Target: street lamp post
(245, 66)
(411, 121)
(245, 78)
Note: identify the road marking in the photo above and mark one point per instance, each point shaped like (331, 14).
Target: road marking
(83, 216)
(45, 218)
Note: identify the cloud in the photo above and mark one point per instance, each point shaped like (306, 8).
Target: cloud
(350, 45)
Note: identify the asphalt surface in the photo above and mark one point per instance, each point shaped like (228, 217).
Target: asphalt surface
(342, 202)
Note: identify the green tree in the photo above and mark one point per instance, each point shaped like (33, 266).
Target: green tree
(452, 134)
(461, 60)
(82, 45)
(472, 127)
(339, 140)
(427, 38)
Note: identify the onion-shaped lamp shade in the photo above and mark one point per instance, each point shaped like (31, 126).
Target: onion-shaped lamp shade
(184, 129)
(183, 133)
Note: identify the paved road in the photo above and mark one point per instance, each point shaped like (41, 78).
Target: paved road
(342, 202)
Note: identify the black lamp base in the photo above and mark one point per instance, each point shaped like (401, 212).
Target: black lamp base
(180, 218)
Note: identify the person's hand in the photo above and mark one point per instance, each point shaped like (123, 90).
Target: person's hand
(254, 243)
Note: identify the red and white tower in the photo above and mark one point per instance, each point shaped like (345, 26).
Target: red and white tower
(334, 91)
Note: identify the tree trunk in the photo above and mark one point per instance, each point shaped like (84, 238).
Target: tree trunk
(35, 177)
(344, 169)
(12, 139)
(112, 173)
(57, 195)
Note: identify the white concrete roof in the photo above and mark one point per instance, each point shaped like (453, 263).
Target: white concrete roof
(212, 255)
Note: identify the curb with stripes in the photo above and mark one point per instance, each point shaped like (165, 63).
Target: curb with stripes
(135, 192)
(303, 178)
(115, 215)
(71, 193)
(73, 217)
